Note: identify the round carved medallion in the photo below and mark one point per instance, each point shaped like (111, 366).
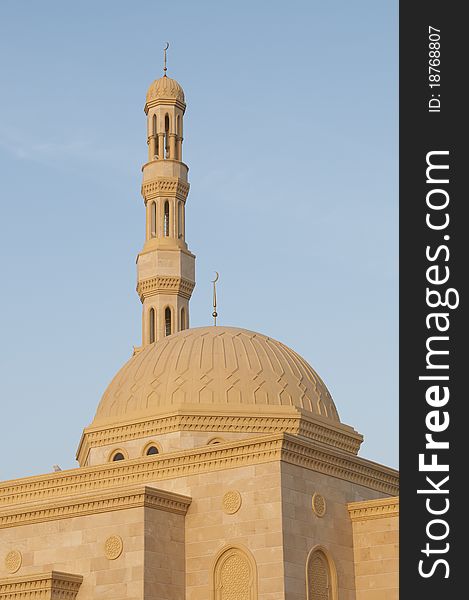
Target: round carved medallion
(231, 502)
(113, 547)
(13, 561)
(319, 505)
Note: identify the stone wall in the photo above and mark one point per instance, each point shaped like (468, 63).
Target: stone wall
(376, 548)
(326, 525)
(115, 549)
(236, 508)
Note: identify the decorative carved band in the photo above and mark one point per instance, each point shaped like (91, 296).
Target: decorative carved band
(349, 441)
(165, 284)
(43, 586)
(374, 509)
(279, 447)
(167, 187)
(355, 469)
(95, 502)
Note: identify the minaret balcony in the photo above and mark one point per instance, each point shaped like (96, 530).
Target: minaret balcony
(165, 168)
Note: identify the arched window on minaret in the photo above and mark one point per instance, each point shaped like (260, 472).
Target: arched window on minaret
(180, 225)
(166, 219)
(166, 136)
(154, 131)
(178, 137)
(153, 219)
(152, 326)
(167, 321)
(183, 319)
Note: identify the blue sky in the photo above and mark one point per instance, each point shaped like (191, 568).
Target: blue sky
(291, 139)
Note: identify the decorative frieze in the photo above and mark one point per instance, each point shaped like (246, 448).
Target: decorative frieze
(93, 503)
(165, 284)
(42, 586)
(19, 497)
(374, 509)
(167, 187)
(323, 432)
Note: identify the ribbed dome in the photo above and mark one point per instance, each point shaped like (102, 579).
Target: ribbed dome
(165, 88)
(213, 366)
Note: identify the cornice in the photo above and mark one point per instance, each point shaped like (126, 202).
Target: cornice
(169, 187)
(165, 245)
(164, 102)
(93, 503)
(165, 284)
(374, 509)
(42, 586)
(283, 420)
(278, 447)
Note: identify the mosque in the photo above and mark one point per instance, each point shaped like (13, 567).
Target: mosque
(216, 466)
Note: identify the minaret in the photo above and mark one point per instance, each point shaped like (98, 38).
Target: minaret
(165, 266)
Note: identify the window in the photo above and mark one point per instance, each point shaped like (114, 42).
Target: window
(234, 575)
(183, 319)
(178, 134)
(321, 578)
(152, 450)
(152, 326)
(216, 440)
(153, 219)
(180, 224)
(166, 219)
(167, 321)
(166, 136)
(117, 455)
(154, 129)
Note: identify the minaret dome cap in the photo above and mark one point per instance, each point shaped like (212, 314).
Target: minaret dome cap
(165, 88)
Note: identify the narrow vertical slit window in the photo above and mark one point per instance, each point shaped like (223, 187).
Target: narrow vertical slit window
(166, 219)
(153, 219)
(166, 136)
(180, 232)
(167, 321)
(183, 319)
(152, 325)
(178, 134)
(154, 132)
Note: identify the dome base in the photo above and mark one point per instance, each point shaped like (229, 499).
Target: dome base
(227, 423)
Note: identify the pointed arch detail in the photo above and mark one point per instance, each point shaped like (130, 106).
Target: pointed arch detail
(321, 575)
(234, 574)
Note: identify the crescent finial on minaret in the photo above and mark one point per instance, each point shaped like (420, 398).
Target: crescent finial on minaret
(165, 50)
(215, 314)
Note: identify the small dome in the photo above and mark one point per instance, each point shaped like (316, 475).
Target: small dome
(210, 367)
(165, 88)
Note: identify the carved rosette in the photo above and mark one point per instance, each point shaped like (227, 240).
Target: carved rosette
(318, 504)
(13, 561)
(231, 502)
(113, 547)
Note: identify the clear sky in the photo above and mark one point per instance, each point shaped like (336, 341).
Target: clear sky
(291, 139)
